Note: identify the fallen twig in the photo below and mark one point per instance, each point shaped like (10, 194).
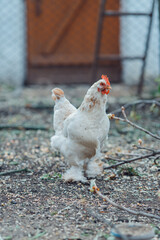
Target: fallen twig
(154, 153)
(94, 188)
(155, 159)
(22, 127)
(66, 208)
(14, 171)
(156, 102)
(127, 154)
(144, 148)
(113, 159)
(39, 107)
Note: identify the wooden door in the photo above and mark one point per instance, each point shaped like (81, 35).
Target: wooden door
(62, 34)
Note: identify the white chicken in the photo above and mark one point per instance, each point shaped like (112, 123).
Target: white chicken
(81, 133)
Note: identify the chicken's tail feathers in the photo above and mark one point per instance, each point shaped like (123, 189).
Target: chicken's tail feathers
(57, 93)
(56, 142)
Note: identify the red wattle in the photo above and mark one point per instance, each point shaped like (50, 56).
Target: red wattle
(105, 91)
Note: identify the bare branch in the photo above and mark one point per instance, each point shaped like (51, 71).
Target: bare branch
(95, 189)
(127, 154)
(114, 159)
(155, 159)
(133, 159)
(14, 171)
(123, 112)
(153, 152)
(22, 127)
(144, 148)
(125, 119)
(156, 102)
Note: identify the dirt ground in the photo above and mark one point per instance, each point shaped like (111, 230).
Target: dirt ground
(36, 203)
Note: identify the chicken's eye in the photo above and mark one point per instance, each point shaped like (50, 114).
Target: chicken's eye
(102, 84)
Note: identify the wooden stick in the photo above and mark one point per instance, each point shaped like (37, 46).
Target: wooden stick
(22, 127)
(140, 213)
(144, 148)
(95, 189)
(133, 159)
(14, 171)
(39, 107)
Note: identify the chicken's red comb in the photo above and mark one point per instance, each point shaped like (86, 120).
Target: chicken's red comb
(106, 79)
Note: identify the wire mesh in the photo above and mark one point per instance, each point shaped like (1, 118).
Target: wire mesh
(134, 32)
(12, 41)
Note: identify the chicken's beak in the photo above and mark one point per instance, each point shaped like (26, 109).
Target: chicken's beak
(108, 87)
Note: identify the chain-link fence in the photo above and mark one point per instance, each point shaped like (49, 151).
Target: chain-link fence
(12, 41)
(47, 41)
(134, 36)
